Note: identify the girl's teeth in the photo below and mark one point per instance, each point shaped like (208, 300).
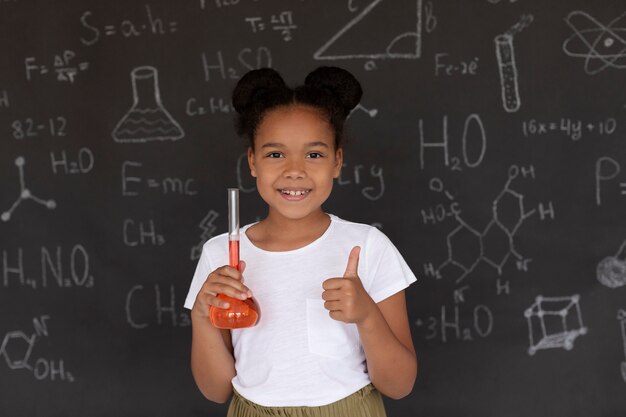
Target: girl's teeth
(294, 193)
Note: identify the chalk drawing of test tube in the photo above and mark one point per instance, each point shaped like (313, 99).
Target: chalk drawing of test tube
(505, 53)
(508, 72)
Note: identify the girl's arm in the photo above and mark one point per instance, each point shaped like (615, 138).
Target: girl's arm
(383, 328)
(386, 339)
(212, 360)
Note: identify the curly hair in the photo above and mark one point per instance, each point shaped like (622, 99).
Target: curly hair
(332, 90)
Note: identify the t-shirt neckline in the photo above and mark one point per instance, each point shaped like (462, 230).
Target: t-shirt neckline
(314, 243)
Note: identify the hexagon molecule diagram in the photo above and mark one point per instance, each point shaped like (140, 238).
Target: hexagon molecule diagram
(494, 245)
(554, 322)
(16, 349)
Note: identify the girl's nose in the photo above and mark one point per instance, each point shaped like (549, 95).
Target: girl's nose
(294, 168)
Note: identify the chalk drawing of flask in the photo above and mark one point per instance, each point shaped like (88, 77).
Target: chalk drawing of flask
(147, 120)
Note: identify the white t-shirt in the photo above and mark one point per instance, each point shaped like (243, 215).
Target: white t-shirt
(297, 355)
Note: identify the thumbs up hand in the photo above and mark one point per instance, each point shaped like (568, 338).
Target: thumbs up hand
(345, 298)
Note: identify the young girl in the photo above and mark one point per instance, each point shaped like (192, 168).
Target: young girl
(334, 330)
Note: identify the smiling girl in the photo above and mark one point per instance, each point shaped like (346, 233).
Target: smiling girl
(334, 331)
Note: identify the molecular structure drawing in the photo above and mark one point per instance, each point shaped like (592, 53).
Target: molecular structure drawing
(467, 247)
(25, 193)
(554, 322)
(17, 348)
(601, 46)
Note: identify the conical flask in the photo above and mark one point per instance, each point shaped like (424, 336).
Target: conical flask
(240, 313)
(147, 120)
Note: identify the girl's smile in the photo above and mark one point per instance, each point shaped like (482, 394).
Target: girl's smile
(297, 194)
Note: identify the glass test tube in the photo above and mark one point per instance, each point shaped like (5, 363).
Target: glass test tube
(233, 227)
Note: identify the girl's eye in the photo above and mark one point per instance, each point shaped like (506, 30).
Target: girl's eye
(274, 155)
(315, 155)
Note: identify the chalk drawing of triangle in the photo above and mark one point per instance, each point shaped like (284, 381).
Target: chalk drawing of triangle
(361, 37)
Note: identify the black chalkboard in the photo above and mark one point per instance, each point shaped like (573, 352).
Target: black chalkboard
(489, 146)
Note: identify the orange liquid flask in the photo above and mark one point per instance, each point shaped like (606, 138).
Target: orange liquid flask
(240, 313)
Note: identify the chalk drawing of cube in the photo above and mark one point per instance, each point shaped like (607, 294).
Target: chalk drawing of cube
(554, 322)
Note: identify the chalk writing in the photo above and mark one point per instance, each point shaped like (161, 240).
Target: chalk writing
(480, 324)
(167, 185)
(245, 181)
(82, 164)
(607, 169)
(30, 128)
(444, 67)
(163, 309)
(53, 262)
(354, 176)
(4, 99)
(209, 107)
(247, 58)
(282, 22)
(572, 128)
(470, 162)
(151, 25)
(430, 20)
(141, 233)
(554, 322)
(220, 3)
(25, 193)
(17, 348)
(63, 66)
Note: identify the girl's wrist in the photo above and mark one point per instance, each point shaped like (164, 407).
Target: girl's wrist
(371, 321)
(198, 317)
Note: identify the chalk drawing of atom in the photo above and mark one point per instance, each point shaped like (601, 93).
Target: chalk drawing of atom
(601, 46)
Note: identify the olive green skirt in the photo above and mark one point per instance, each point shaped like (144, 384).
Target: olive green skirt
(367, 402)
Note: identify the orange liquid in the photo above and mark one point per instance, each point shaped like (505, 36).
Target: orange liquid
(240, 313)
(233, 253)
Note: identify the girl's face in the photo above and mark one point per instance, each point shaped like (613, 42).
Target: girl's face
(294, 160)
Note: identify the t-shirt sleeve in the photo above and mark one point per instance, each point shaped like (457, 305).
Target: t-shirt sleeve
(203, 269)
(387, 271)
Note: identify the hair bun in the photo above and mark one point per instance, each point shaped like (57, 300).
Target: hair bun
(340, 83)
(254, 84)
